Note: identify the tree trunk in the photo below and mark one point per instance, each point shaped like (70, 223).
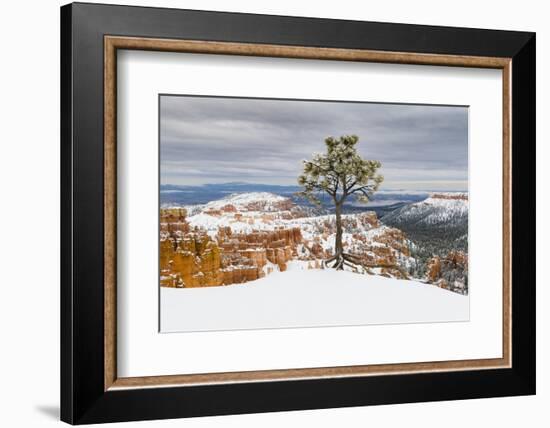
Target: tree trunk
(338, 248)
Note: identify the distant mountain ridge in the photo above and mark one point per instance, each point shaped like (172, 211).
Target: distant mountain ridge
(179, 195)
(439, 223)
(382, 202)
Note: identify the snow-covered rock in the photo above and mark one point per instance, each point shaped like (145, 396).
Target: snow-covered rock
(253, 201)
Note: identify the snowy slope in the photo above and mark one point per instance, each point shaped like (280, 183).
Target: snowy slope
(431, 211)
(241, 199)
(307, 298)
(438, 224)
(263, 201)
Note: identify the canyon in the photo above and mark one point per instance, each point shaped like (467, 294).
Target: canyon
(245, 237)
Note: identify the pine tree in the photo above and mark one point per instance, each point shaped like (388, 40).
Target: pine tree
(341, 173)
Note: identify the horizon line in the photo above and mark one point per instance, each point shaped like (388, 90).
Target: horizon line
(296, 185)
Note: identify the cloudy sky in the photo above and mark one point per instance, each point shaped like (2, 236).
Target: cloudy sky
(220, 140)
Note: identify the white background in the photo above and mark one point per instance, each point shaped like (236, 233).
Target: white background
(144, 352)
(29, 223)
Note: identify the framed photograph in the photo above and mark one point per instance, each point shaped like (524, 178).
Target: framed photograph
(319, 213)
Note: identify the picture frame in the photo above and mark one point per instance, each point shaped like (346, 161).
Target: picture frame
(91, 36)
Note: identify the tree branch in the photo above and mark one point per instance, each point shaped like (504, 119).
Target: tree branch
(363, 189)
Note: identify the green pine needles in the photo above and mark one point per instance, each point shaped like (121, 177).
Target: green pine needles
(341, 173)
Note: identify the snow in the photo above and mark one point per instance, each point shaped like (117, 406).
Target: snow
(433, 210)
(209, 222)
(175, 191)
(459, 205)
(312, 228)
(253, 220)
(300, 297)
(240, 200)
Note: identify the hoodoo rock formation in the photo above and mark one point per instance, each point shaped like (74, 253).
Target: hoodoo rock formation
(249, 236)
(191, 257)
(244, 237)
(449, 272)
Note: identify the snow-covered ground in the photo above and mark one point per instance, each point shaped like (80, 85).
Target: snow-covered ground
(308, 298)
(253, 221)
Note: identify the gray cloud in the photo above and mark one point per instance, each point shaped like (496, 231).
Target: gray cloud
(210, 140)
